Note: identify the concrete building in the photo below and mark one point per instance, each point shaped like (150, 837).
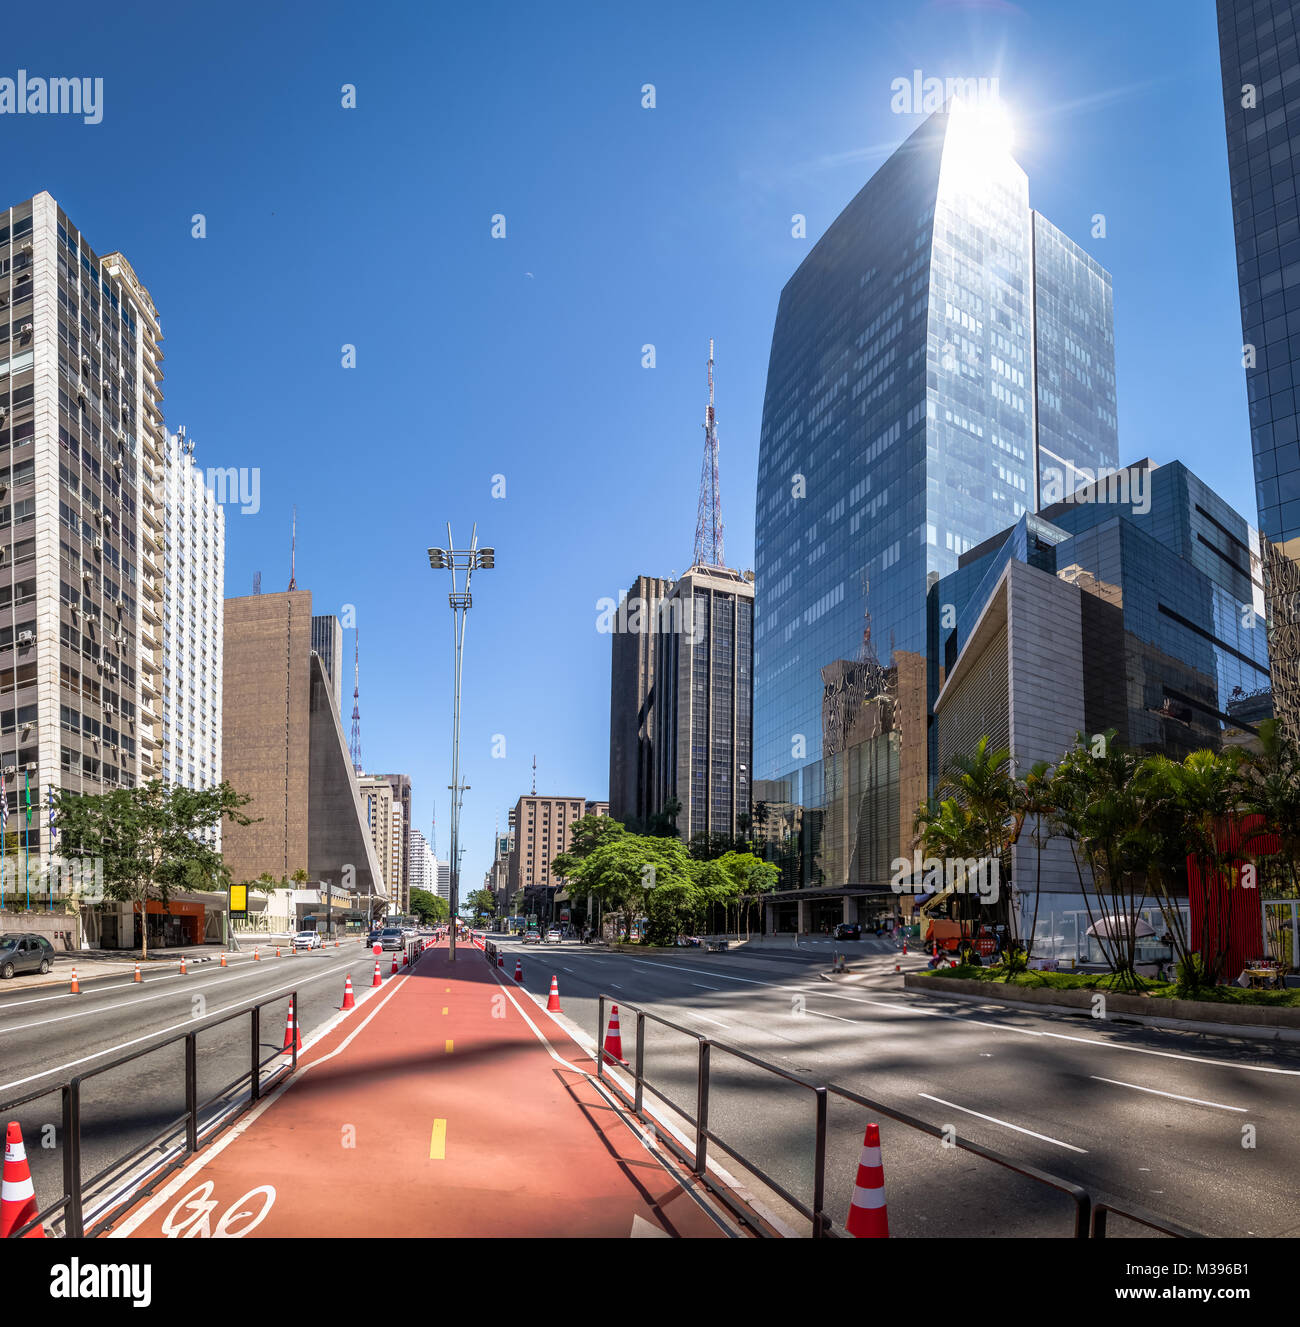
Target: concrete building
(1259, 52)
(632, 670)
(327, 641)
(1098, 615)
(542, 828)
(283, 744)
(443, 870)
(401, 786)
(82, 449)
(194, 581)
(702, 712)
(386, 826)
(424, 869)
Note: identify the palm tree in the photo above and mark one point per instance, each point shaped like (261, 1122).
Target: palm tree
(1034, 797)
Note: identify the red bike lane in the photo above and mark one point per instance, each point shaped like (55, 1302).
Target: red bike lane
(434, 1110)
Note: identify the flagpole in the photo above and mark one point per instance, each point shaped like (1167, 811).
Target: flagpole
(27, 839)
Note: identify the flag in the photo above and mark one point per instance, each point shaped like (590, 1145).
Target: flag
(53, 832)
(4, 803)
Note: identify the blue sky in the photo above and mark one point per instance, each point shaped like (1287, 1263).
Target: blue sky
(624, 226)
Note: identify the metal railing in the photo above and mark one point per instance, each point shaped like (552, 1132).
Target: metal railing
(70, 1205)
(1089, 1215)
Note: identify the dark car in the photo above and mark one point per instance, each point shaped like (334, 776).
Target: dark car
(848, 931)
(24, 953)
(391, 937)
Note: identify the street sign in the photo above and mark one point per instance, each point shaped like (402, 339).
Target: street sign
(239, 900)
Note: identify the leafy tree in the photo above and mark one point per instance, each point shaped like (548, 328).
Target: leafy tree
(628, 870)
(483, 903)
(153, 839)
(430, 908)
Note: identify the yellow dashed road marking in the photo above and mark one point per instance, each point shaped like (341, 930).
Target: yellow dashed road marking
(438, 1141)
(444, 1009)
(448, 1046)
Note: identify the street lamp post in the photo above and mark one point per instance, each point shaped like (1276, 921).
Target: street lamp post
(454, 560)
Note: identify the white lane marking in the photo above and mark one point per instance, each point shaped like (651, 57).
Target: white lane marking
(901, 1008)
(564, 969)
(705, 987)
(992, 1119)
(837, 1017)
(237, 1129)
(717, 1022)
(1173, 1096)
(708, 972)
(614, 986)
(195, 981)
(175, 1027)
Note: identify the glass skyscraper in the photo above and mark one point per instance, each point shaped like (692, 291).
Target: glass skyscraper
(941, 356)
(1260, 59)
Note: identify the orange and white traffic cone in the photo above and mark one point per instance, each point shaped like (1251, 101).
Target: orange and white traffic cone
(257, 955)
(896, 966)
(182, 972)
(138, 977)
(614, 1039)
(393, 973)
(553, 1000)
(336, 944)
(292, 1036)
(406, 960)
(277, 951)
(904, 946)
(519, 969)
(17, 1196)
(378, 981)
(501, 960)
(868, 1216)
(76, 989)
(349, 1001)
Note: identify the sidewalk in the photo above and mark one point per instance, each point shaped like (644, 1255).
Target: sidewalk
(434, 1110)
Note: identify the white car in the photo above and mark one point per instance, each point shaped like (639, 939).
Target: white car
(307, 940)
(554, 936)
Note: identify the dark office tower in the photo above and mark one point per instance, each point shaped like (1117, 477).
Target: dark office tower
(632, 673)
(940, 356)
(703, 702)
(1261, 101)
(327, 641)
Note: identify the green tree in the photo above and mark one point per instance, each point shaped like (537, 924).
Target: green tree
(628, 871)
(428, 907)
(483, 903)
(152, 839)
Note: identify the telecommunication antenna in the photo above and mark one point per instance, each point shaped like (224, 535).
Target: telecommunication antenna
(293, 553)
(356, 705)
(708, 519)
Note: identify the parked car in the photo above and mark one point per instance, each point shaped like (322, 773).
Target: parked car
(554, 936)
(308, 940)
(391, 937)
(532, 937)
(848, 931)
(24, 953)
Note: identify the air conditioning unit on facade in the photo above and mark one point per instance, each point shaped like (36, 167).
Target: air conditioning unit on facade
(26, 638)
(99, 544)
(26, 329)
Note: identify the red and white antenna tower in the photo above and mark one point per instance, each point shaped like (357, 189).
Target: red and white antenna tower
(708, 521)
(356, 706)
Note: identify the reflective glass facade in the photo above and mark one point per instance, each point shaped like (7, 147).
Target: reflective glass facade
(899, 430)
(1260, 58)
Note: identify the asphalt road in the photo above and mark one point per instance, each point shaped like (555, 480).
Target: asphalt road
(50, 1035)
(1194, 1128)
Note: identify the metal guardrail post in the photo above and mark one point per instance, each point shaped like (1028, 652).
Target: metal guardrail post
(255, 1072)
(293, 1045)
(702, 1110)
(819, 1222)
(191, 1093)
(1098, 1223)
(72, 1222)
(640, 1060)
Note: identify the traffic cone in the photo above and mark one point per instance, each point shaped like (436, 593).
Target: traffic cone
(336, 944)
(292, 1036)
(553, 1000)
(378, 981)
(896, 967)
(868, 1217)
(614, 1039)
(76, 990)
(138, 977)
(257, 955)
(349, 1002)
(182, 972)
(501, 960)
(277, 951)
(904, 946)
(223, 960)
(406, 960)
(519, 969)
(934, 953)
(393, 973)
(17, 1196)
